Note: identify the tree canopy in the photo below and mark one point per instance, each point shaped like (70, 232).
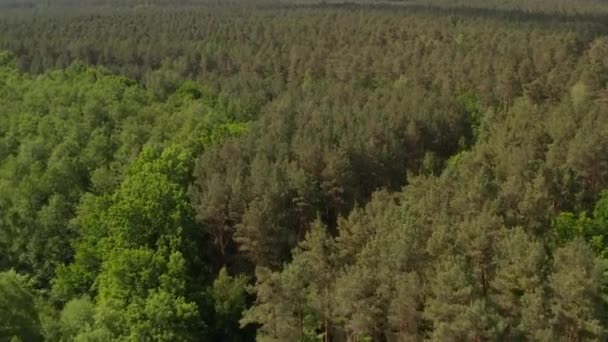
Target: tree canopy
(303, 171)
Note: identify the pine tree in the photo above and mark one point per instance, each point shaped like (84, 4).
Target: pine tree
(576, 294)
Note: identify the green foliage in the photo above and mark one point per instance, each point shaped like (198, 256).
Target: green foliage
(97, 169)
(568, 226)
(391, 171)
(471, 106)
(519, 286)
(77, 315)
(18, 313)
(7, 59)
(140, 273)
(457, 308)
(229, 297)
(576, 286)
(299, 301)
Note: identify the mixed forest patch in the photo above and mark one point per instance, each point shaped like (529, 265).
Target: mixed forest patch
(303, 171)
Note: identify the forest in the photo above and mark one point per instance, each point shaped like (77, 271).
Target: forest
(301, 170)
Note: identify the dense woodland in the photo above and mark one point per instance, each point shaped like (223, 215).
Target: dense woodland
(299, 171)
